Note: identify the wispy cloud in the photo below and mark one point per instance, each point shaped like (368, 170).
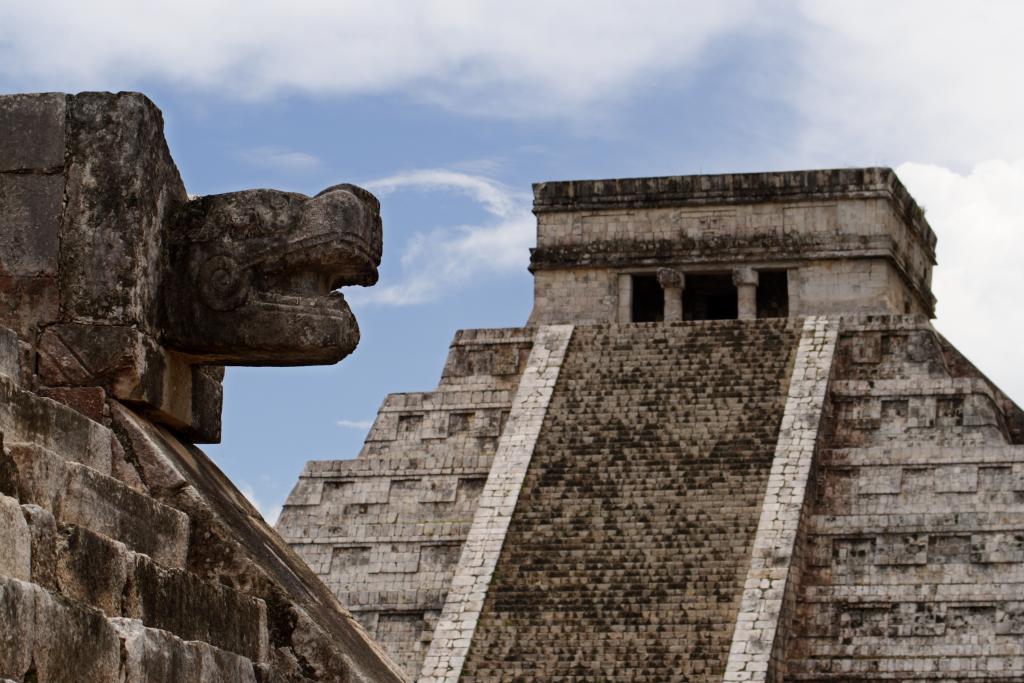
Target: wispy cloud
(443, 259)
(270, 513)
(280, 158)
(872, 80)
(979, 219)
(509, 59)
(916, 79)
(362, 425)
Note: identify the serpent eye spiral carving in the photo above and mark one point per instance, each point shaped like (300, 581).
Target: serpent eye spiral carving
(223, 284)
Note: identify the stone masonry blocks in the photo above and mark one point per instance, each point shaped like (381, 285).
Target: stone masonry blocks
(762, 609)
(454, 631)
(626, 556)
(32, 137)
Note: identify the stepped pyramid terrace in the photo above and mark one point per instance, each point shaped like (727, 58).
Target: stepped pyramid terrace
(728, 445)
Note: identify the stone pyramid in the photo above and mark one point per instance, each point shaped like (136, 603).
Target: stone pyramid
(727, 446)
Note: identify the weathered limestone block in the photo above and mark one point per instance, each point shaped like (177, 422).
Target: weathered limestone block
(746, 280)
(29, 418)
(15, 541)
(24, 300)
(135, 369)
(17, 614)
(121, 186)
(184, 604)
(10, 355)
(82, 496)
(52, 640)
(32, 137)
(30, 209)
(672, 282)
(156, 656)
(43, 528)
(141, 441)
(89, 401)
(91, 569)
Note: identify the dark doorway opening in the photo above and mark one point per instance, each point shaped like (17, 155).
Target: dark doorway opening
(773, 294)
(648, 299)
(709, 297)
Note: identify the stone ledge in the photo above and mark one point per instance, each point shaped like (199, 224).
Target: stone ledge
(733, 188)
(79, 495)
(155, 656)
(54, 638)
(28, 417)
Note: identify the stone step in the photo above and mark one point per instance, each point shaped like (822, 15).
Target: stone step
(15, 541)
(902, 388)
(942, 588)
(927, 455)
(153, 655)
(857, 507)
(84, 497)
(901, 665)
(649, 434)
(401, 466)
(944, 521)
(59, 640)
(103, 573)
(48, 639)
(29, 418)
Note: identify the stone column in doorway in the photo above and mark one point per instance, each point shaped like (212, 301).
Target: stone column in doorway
(745, 280)
(625, 298)
(672, 282)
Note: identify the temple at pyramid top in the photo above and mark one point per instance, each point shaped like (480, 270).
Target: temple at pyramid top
(712, 247)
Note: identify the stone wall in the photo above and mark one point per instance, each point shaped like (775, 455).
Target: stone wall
(816, 287)
(384, 531)
(849, 287)
(627, 552)
(913, 569)
(853, 240)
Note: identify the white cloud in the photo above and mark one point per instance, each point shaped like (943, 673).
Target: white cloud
(443, 259)
(269, 513)
(280, 158)
(883, 81)
(873, 81)
(979, 220)
(495, 198)
(505, 58)
(355, 424)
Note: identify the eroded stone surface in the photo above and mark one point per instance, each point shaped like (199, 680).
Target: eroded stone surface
(127, 555)
(15, 541)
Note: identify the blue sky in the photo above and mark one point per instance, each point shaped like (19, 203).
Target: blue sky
(449, 110)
